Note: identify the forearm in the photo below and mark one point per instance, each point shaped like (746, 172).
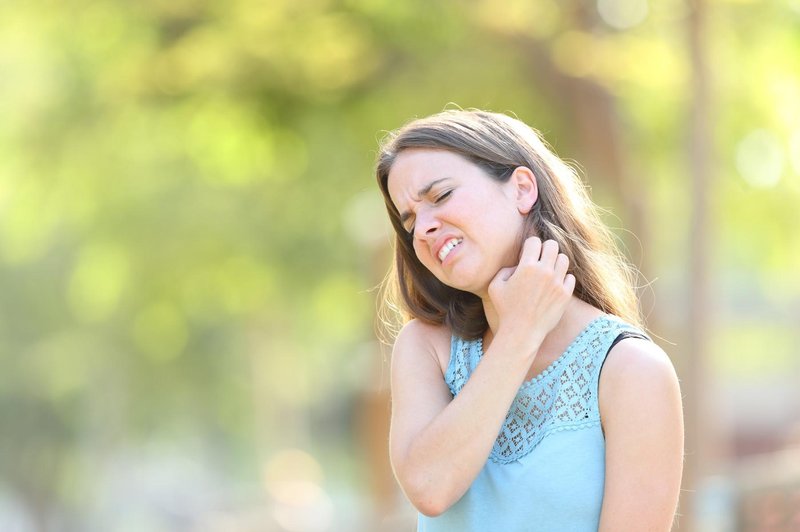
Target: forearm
(440, 464)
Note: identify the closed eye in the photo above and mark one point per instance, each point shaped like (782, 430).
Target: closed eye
(436, 200)
(443, 196)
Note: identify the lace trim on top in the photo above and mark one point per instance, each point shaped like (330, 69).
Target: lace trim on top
(562, 397)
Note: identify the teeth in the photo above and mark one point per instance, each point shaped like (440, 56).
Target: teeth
(447, 248)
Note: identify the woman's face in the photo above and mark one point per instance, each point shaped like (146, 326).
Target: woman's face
(465, 224)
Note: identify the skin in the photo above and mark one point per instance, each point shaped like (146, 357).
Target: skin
(439, 444)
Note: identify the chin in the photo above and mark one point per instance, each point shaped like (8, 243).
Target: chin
(473, 288)
(464, 279)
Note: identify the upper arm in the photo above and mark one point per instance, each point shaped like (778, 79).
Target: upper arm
(419, 391)
(640, 405)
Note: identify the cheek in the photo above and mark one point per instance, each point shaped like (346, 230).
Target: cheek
(421, 251)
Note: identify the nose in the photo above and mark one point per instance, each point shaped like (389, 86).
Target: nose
(426, 224)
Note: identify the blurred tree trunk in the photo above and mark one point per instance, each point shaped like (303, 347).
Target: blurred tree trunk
(699, 429)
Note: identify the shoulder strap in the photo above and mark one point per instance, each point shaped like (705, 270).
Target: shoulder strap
(626, 334)
(616, 331)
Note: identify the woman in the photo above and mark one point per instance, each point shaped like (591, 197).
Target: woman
(501, 416)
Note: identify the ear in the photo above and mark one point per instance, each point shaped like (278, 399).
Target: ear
(526, 189)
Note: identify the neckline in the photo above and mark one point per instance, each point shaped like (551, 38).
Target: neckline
(558, 361)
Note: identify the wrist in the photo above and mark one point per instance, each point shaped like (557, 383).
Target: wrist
(523, 343)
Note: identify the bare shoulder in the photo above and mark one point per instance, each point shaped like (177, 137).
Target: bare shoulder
(419, 390)
(418, 338)
(638, 383)
(637, 364)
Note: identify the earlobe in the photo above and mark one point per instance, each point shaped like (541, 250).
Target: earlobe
(526, 188)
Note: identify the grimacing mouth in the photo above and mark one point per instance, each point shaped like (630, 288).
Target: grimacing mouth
(445, 250)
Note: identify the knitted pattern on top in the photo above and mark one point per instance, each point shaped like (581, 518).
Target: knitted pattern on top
(562, 397)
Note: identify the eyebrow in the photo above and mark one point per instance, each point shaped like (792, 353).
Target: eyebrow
(422, 192)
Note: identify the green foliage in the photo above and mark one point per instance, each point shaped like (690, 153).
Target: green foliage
(189, 226)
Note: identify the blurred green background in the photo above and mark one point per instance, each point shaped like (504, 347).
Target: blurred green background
(191, 237)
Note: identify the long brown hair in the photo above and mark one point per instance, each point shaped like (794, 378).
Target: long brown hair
(563, 212)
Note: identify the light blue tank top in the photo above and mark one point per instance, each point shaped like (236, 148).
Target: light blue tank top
(546, 470)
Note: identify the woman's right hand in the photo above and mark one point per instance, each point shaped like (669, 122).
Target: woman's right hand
(440, 443)
(531, 298)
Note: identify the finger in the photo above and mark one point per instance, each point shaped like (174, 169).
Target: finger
(503, 274)
(549, 253)
(569, 283)
(496, 284)
(562, 264)
(531, 250)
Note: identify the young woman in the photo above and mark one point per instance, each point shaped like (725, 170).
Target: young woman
(525, 395)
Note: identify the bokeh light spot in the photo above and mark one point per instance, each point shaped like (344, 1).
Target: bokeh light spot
(364, 219)
(760, 159)
(293, 478)
(622, 14)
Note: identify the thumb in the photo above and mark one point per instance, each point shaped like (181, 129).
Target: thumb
(500, 278)
(504, 274)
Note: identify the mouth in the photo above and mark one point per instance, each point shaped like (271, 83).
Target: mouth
(448, 247)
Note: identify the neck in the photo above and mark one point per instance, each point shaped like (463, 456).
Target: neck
(491, 317)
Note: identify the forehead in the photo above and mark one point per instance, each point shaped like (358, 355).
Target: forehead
(415, 169)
